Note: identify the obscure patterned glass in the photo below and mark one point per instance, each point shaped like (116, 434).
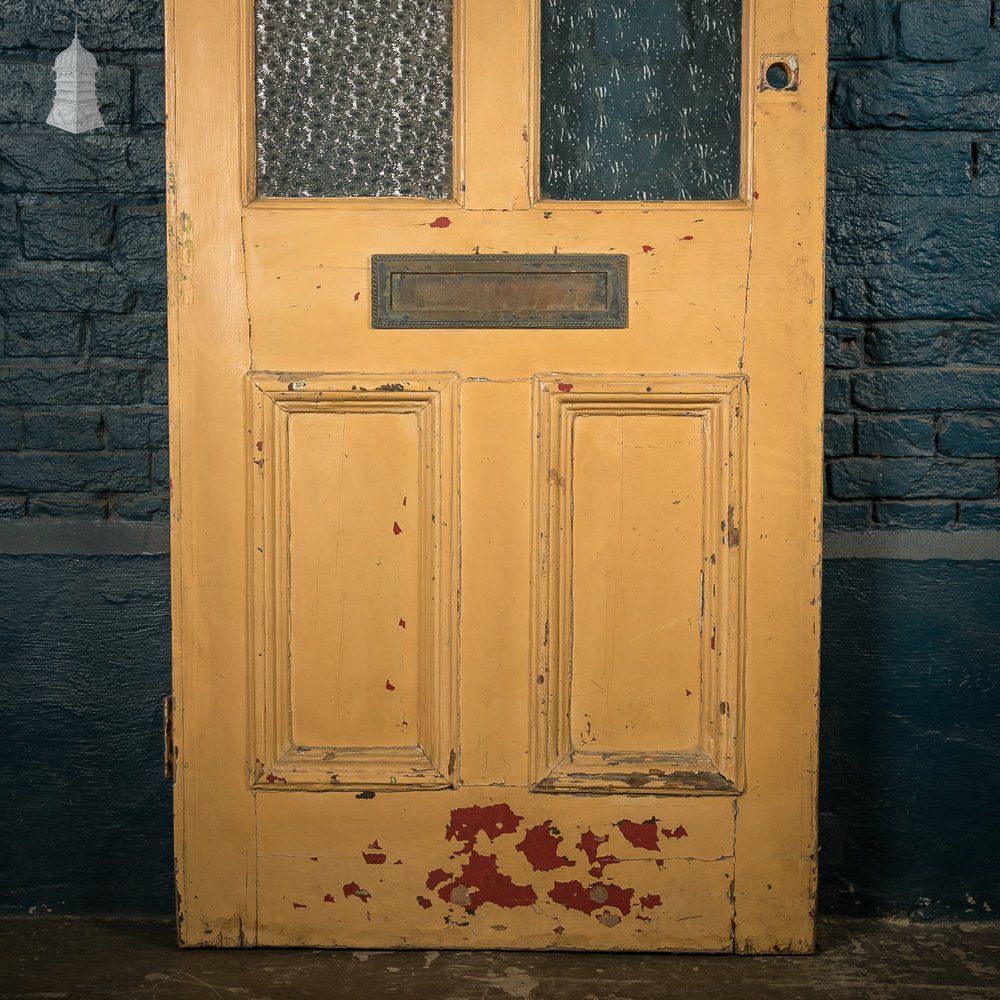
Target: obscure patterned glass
(640, 99)
(354, 98)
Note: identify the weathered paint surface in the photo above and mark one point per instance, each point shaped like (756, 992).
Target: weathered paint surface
(575, 741)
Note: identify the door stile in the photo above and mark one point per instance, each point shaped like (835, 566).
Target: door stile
(776, 859)
(209, 352)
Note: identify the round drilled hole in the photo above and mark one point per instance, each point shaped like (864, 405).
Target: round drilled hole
(778, 75)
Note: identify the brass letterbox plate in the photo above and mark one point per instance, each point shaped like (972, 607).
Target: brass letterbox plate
(537, 291)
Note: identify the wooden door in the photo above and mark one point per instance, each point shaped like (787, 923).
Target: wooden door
(488, 636)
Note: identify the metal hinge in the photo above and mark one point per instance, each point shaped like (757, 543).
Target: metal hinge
(169, 747)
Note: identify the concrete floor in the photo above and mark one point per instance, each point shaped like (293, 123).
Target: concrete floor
(860, 960)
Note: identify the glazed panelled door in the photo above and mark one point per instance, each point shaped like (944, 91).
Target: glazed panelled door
(496, 434)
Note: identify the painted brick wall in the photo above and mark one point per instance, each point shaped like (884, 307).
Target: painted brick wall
(910, 743)
(83, 428)
(913, 343)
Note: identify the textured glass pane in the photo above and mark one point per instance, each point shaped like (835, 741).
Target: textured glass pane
(640, 99)
(354, 98)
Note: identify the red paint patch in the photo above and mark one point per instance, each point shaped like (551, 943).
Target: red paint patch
(314, 859)
(675, 834)
(494, 821)
(646, 248)
(565, 386)
(424, 902)
(260, 445)
(299, 906)
(357, 295)
(373, 859)
(713, 639)
(389, 686)
(756, 196)
(686, 238)
(353, 889)
(541, 848)
(329, 899)
(402, 623)
(650, 902)
(396, 529)
(575, 896)
(404, 501)
(436, 877)
(272, 778)
(644, 835)
(441, 222)
(687, 692)
(482, 882)
(590, 844)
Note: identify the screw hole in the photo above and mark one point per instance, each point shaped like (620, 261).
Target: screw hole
(778, 76)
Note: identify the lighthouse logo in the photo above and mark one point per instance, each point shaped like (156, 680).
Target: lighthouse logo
(75, 107)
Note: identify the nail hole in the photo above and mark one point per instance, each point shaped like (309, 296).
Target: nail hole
(778, 76)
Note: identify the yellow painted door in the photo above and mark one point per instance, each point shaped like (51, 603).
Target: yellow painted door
(491, 636)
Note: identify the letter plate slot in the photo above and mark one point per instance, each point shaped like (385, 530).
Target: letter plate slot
(536, 291)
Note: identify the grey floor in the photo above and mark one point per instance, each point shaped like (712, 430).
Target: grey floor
(59, 959)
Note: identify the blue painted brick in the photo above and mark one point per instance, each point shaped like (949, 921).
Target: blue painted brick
(987, 180)
(79, 430)
(916, 478)
(142, 232)
(146, 281)
(932, 236)
(86, 508)
(160, 469)
(837, 392)
(928, 515)
(149, 96)
(155, 385)
(35, 472)
(103, 24)
(943, 29)
(896, 437)
(913, 258)
(971, 436)
(846, 516)
(10, 430)
(147, 508)
(900, 292)
(860, 29)
(67, 230)
(933, 344)
(843, 345)
(81, 287)
(69, 385)
(985, 514)
(140, 335)
(898, 163)
(54, 162)
(43, 335)
(136, 428)
(936, 96)
(12, 508)
(927, 389)
(10, 233)
(838, 436)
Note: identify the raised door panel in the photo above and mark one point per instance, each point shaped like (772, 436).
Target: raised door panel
(640, 617)
(356, 585)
